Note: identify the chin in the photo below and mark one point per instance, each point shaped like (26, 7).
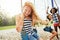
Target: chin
(26, 15)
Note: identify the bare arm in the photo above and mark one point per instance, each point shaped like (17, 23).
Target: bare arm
(43, 22)
(58, 17)
(18, 23)
(47, 10)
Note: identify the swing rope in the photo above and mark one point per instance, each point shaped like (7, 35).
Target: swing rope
(52, 2)
(55, 3)
(21, 6)
(34, 2)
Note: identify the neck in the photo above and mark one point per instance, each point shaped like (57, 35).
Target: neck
(27, 17)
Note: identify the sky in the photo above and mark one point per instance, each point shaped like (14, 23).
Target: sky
(13, 7)
(10, 6)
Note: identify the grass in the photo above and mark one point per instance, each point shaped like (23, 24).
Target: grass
(6, 27)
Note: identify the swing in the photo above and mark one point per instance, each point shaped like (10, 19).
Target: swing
(48, 29)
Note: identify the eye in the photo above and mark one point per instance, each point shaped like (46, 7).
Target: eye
(25, 9)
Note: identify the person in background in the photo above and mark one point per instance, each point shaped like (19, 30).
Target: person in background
(48, 27)
(56, 19)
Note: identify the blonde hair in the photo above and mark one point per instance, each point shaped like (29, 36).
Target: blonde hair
(34, 14)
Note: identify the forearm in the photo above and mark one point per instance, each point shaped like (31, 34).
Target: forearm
(18, 24)
(44, 22)
(18, 28)
(47, 10)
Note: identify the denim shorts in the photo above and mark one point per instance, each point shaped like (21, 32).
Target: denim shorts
(26, 36)
(48, 29)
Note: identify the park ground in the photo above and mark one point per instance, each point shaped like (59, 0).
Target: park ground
(12, 34)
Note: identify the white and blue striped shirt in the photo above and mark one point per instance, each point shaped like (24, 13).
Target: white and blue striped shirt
(55, 18)
(27, 27)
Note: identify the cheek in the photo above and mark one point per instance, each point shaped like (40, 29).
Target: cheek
(28, 12)
(53, 11)
(51, 17)
(24, 11)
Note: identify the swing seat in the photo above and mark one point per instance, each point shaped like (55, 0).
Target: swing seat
(48, 29)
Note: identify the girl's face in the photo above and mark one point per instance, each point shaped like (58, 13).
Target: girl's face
(50, 17)
(27, 11)
(53, 10)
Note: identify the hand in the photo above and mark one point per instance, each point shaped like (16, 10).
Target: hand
(48, 7)
(57, 7)
(18, 29)
(47, 10)
(59, 24)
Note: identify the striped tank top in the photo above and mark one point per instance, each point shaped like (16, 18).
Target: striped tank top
(55, 18)
(27, 26)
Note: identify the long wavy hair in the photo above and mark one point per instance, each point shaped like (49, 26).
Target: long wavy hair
(34, 15)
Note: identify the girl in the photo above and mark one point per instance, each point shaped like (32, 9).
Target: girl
(56, 19)
(48, 27)
(25, 21)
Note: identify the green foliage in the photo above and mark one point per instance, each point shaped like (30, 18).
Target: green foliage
(6, 27)
(6, 20)
(0, 20)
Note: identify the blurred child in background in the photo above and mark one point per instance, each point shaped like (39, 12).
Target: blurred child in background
(56, 19)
